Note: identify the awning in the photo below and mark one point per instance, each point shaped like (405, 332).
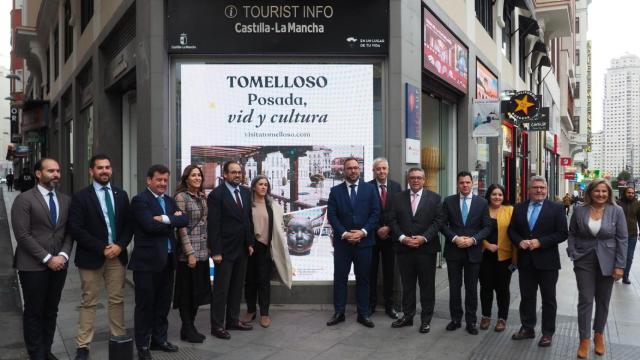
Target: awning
(35, 115)
(524, 4)
(528, 26)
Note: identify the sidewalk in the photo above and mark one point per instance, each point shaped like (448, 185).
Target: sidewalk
(299, 332)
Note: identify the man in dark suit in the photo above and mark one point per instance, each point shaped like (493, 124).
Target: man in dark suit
(99, 222)
(39, 221)
(353, 212)
(231, 240)
(537, 227)
(466, 224)
(156, 218)
(383, 249)
(416, 218)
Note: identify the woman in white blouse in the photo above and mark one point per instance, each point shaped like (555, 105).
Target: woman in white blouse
(597, 246)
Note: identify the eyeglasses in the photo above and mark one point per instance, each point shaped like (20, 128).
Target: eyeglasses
(415, 178)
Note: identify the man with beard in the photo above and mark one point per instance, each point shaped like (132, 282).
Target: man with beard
(155, 220)
(353, 211)
(230, 231)
(99, 224)
(631, 208)
(39, 221)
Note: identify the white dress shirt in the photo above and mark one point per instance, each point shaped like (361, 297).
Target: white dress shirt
(103, 205)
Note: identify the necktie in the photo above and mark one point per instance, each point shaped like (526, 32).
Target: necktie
(352, 195)
(383, 196)
(414, 203)
(238, 202)
(53, 211)
(164, 212)
(534, 215)
(111, 214)
(465, 210)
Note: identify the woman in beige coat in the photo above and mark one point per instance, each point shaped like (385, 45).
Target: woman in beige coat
(270, 250)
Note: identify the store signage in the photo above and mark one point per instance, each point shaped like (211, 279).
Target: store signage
(443, 54)
(570, 176)
(14, 118)
(413, 119)
(22, 151)
(294, 123)
(523, 107)
(486, 121)
(541, 123)
(486, 83)
(359, 27)
(566, 161)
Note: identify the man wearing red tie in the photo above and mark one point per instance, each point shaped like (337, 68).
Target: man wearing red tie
(383, 248)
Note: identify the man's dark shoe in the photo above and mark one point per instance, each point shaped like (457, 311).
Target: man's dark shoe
(144, 354)
(453, 325)
(425, 328)
(165, 346)
(82, 353)
(626, 281)
(366, 321)
(545, 341)
(239, 326)
(220, 333)
(50, 356)
(402, 322)
(472, 329)
(523, 334)
(335, 319)
(391, 313)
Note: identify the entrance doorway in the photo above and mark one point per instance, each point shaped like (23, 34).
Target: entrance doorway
(438, 144)
(129, 144)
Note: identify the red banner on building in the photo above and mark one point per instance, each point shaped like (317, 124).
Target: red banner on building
(566, 161)
(569, 176)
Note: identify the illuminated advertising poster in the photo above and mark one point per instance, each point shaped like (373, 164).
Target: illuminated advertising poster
(296, 124)
(444, 54)
(486, 83)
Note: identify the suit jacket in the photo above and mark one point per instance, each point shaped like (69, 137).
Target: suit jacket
(478, 226)
(610, 242)
(36, 235)
(550, 229)
(343, 217)
(426, 222)
(150, 246)
(88, 227)
(393, 188)
(230, 228)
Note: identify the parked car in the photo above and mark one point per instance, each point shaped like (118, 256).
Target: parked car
(3, 181)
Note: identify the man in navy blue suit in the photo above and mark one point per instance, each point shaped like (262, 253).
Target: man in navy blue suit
(467, 223)
(353, 213)
(156, 218)
(537, 227)
(231, 240)
(99, 222)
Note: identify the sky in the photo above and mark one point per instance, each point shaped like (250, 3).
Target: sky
(613, 29)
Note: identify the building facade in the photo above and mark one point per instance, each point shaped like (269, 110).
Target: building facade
(117, 77)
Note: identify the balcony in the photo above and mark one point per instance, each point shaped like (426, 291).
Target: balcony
(557, 16)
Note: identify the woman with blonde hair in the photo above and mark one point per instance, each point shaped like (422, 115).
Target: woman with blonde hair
(270, 249)
(597, 246)
(192, 286)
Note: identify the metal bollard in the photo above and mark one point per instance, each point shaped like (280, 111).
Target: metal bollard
(120, 348)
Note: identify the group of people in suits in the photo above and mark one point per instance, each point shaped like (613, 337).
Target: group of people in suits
(241, 230)
(174, 237)
(485, 241)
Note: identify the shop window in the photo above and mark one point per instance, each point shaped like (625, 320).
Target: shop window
(507, 37)
(86, 13)
(484, 13)
(577, 58)
(521, 57)
(68, 30)
(576, 91)
(577, 25)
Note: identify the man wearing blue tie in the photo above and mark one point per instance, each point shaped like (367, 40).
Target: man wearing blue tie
(353, 212)
(537, 227)
(467, 223)
(155, 218)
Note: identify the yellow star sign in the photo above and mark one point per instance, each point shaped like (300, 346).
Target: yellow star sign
(524, 104)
